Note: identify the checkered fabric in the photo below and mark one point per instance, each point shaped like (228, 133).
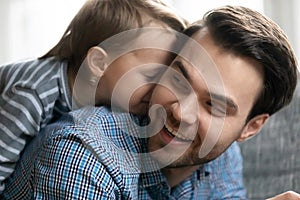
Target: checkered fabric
(93, 153)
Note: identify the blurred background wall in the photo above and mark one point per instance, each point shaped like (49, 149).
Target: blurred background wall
(31, 27)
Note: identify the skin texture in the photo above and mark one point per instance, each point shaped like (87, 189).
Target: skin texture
(196, 110)
(124, 76)
(131, 77)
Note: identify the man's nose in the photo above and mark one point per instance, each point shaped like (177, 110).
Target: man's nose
(186, 109)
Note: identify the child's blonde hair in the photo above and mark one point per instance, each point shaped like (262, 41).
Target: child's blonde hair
(98, 20)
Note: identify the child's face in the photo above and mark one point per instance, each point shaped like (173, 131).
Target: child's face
(128, 82)
(134, 66)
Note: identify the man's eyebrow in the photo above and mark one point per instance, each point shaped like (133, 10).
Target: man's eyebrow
(226, 100)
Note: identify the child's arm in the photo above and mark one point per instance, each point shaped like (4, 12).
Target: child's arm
(29, 91)
(20, 117)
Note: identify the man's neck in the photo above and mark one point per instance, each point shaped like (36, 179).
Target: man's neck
(177, 175)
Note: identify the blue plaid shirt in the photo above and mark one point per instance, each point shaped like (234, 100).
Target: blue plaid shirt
(93, 153)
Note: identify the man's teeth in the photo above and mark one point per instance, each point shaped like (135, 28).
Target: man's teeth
(175, 133)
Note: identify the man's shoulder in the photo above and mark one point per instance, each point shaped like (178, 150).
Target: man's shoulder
(103, 117)
(87, 120)
(97, 126)
(106, 135)
(81, 151)
(229, 161)
(100, 124)
(226, 174)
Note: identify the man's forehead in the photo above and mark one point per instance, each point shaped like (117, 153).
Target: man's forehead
(193, 49)
(199, 62)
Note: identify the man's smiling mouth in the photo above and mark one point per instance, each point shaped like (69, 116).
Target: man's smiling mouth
(177, 135)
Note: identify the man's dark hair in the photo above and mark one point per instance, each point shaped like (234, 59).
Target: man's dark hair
(245, 32)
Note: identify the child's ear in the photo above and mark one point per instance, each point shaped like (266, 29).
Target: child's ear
(96, 59)
(253, 127)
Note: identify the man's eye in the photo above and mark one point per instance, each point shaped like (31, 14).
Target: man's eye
(217, 109)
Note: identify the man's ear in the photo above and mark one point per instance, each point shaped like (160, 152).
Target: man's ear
(253, 127)
(96, 60)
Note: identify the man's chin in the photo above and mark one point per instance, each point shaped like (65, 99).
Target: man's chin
(161, 159)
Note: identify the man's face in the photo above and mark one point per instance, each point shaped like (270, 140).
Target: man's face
(203, 106)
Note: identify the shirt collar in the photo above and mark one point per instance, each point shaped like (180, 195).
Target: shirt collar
(155, 178)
